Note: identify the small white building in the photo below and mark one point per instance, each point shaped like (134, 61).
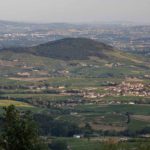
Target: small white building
(131, 103)
(78, 136)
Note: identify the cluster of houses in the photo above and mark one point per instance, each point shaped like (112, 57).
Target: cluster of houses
(130, 89)
(89, 94)
(93, 95)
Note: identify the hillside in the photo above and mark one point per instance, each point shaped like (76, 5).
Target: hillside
(68, 49)
(76, 49)
(71, 57)
(72, 48)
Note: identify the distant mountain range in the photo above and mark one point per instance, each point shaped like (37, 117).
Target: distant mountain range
(38, 26)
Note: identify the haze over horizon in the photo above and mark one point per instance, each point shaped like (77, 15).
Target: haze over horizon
(75, 11)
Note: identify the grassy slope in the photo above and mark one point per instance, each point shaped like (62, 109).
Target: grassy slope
(93, 68)
(5, 103)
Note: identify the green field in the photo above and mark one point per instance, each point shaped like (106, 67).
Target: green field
(97, 144)
(5, 103)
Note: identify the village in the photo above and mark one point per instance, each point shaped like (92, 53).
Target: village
(90, 95)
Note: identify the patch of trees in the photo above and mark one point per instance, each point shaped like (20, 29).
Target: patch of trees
(19, 131)
(49, 126)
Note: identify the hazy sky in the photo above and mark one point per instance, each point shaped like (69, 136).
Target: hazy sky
(75, 10)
